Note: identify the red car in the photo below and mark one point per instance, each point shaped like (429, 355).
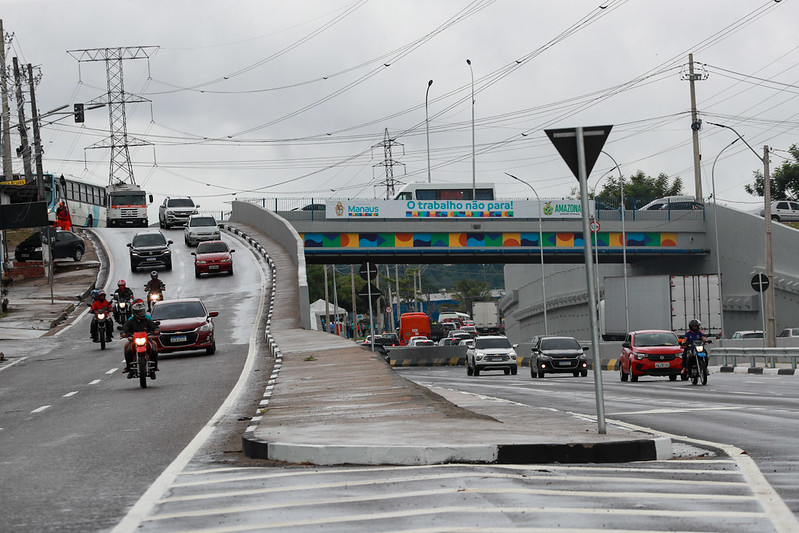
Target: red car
(650, 353)
(212, 257)
(185, 324)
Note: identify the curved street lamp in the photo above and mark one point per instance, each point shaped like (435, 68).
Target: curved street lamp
(474, 170)
(427, 129)
(540, 250)
(623, 242)
(716, 231)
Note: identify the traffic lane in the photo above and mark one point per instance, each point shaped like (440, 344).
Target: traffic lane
(758, 415)
(108, 436)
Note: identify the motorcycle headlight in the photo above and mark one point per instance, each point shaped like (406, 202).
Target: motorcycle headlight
(700, 348)
(140, 341)
(122, 305)
(100, 316)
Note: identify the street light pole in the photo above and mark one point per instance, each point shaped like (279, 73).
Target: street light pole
(474, 168)
(540, 250)
(427, 129)
(716, 231)
(623, 242)
(770, 334)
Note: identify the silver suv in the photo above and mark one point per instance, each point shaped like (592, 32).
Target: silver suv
(491, 352)
(176, 211)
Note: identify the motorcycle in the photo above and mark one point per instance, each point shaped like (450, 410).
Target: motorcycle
(122, 310)
(142, 366)
(104, 327)
(697, 359)
(153, 296)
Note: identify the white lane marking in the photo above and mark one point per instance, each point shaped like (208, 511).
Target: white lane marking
(94, 382)
(450, 491)
(40, 409)
(142, 508)
(459, 475)
(112, 371)
(681, 410)
(777, 510)
(747, 393)
(12, 363)
(69, 394)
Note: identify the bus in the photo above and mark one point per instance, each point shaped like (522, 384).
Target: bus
(446, 191)
(86, 202)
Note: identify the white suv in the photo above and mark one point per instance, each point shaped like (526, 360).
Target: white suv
(491, 352)
(176, 211)
(201, 228)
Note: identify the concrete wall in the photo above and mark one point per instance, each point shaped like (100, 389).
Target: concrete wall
(285, 234)
(741, 245)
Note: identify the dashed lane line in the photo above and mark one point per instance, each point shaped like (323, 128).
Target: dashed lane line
(40, 409)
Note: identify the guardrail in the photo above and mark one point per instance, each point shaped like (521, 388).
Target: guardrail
(768, 355)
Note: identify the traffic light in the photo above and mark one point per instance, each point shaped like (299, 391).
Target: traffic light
(78, 108)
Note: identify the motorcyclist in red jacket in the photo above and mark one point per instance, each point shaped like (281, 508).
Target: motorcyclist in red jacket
(100, 304)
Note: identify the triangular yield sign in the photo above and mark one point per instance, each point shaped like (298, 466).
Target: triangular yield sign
(565, 141)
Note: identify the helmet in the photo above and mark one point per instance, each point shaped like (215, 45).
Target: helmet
(154, 275)
(138, 309)
(694, 324)
(121, 284)
(100, 295)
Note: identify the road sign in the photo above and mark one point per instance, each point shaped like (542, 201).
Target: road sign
(760, 282)
(388, 309)
(368, 271)
(48, 235)
(565, 141)
(375, 292)
(594, 226)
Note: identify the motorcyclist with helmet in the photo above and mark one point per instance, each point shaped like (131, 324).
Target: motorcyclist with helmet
(123, 292)
(693, 334)
(100, 304)
(140, 321)
(154, 284)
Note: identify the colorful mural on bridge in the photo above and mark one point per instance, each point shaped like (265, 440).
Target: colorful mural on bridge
(482, 240)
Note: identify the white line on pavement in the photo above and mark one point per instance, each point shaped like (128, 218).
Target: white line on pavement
(67, 395)
(40, 409)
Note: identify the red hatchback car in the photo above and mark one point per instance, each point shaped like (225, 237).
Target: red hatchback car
(185, 324)
(212, 257)
(650, 353)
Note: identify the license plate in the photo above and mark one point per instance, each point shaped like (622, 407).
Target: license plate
(213, 267)
(178, 338)
(151, 258)
(24, 255)
(564, 363)
(662, 365)
(496, 358)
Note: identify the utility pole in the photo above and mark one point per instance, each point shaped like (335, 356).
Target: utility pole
(696, 124)
(8, 171)
(388, 162)
(116, 98)
(771, 322)
(25, 151)
(37, 141)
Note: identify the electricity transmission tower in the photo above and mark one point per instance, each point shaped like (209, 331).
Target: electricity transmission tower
(121, 169)
(389, 163)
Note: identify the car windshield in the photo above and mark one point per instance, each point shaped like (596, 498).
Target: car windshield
(181, 202)
(149, 239)
(753, 335)
(560, 344)
(656, 339)
(487, 342)
(211, 247)
(203, 221)
(169, 310)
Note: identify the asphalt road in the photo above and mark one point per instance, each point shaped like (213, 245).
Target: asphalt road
(756, 413)
(79, 442)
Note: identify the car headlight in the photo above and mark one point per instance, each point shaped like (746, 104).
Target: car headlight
(228, 260)
(639, 355)
(201, 261)
(206, 327)
(544, 357)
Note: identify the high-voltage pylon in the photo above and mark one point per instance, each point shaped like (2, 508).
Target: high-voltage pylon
(389, 163)
(121, 169)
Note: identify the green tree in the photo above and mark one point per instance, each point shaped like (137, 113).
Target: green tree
(468, 291)
(639, 189)
(784, 179)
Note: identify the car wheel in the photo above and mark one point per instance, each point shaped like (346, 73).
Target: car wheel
(673, 377)
(161, 223)
(231, 270)
(622, 375)
(532, 369)
(469, 371)
(775, 218)
(132, 267)
(507, 371)
(683, 377)
(78, 255)
(169, 265)
(584, 372)
(513, 370)
(476, 371)
(211, 350)
(541, 373)
(576, 373)
(196, 273)
(633, 377)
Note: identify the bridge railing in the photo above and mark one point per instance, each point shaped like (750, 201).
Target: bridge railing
(769, 356)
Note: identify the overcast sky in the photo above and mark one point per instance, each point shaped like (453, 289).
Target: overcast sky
(293, 98)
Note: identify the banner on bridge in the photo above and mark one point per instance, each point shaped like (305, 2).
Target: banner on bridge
(449, 209)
